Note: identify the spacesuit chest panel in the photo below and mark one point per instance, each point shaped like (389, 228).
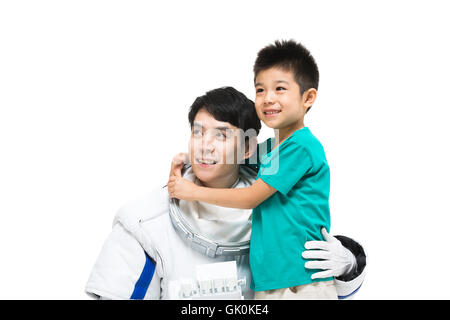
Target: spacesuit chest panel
(178, 262)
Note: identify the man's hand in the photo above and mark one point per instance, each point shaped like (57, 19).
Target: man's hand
(177, 164)
(181, 188)
(334, 258)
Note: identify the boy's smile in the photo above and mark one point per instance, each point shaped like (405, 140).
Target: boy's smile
(278, 101)
(271, 112)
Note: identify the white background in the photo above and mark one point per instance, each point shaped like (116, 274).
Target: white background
(94, 97)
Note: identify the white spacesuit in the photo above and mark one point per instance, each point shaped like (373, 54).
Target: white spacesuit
(162, 248)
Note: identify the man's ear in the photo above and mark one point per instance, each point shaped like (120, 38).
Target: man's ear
(251, 145)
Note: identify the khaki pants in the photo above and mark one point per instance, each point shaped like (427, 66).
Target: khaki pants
(311, 291)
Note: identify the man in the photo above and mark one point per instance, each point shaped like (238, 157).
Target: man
(160, 248)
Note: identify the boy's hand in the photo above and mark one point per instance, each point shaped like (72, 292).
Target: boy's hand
(177, 164)
(181, 188)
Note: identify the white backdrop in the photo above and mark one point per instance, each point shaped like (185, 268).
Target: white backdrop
(94, 98)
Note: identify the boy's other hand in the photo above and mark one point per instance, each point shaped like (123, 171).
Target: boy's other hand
(181, 188)
(178, 162)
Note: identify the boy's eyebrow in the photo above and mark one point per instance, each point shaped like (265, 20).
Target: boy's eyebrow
(276, 81)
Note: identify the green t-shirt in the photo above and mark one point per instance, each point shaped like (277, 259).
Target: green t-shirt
(281, 225)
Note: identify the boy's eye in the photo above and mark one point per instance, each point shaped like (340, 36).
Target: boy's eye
(258, 90)
(280, 88)
(196, 132)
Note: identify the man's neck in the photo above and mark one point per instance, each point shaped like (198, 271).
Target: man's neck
(225, 182)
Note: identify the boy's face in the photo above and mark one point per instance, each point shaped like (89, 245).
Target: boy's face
(278, 101)
(214, 149)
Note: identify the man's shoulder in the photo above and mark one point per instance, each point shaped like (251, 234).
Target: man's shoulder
(146, 207)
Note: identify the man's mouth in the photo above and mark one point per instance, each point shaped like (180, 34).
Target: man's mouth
(206, 162)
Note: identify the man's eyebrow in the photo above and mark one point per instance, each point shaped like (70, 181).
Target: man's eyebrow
(221, 128)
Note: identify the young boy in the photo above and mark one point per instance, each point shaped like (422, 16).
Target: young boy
(290, 196)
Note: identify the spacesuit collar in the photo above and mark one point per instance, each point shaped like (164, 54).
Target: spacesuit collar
(217, 230)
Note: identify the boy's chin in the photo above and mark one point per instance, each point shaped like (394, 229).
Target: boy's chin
(272, 124)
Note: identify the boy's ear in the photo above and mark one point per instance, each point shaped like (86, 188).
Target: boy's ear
(309, 97)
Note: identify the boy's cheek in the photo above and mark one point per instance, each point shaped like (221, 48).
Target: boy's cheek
(258, 102)
(259, 112)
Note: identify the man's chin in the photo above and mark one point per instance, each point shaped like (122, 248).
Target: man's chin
(216, 176)
(210, 174)
(204, 172)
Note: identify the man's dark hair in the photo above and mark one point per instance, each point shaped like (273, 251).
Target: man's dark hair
(289, 56)
(226, 104)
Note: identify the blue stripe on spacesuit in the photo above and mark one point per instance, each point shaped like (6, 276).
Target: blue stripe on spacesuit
(141, 286)
(345, 297)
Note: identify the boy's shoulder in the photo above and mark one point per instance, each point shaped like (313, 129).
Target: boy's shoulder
(302, 139)
(304, 135)
(306, 139)
(308, 143)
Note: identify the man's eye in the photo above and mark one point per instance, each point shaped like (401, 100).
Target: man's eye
(221, 135)
(196, 132)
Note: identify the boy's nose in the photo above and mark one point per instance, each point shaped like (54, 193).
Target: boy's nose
(269, 97)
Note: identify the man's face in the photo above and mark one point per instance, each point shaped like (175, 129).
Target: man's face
(214, 150)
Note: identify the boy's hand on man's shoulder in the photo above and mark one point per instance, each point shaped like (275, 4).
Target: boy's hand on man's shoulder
(178, 161)
(181, 188)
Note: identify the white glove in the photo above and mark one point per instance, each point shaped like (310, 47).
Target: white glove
(336, 259)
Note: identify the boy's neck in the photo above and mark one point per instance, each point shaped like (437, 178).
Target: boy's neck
(284, 133)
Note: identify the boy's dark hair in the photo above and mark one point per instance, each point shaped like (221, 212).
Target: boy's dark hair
(289, 56)
(228, 105)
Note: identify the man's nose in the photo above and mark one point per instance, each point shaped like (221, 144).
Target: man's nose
(208, 143)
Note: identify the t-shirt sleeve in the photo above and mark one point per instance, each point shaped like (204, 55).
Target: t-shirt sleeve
(285, 166)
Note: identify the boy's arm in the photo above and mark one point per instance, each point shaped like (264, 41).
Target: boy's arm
(243, 198)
